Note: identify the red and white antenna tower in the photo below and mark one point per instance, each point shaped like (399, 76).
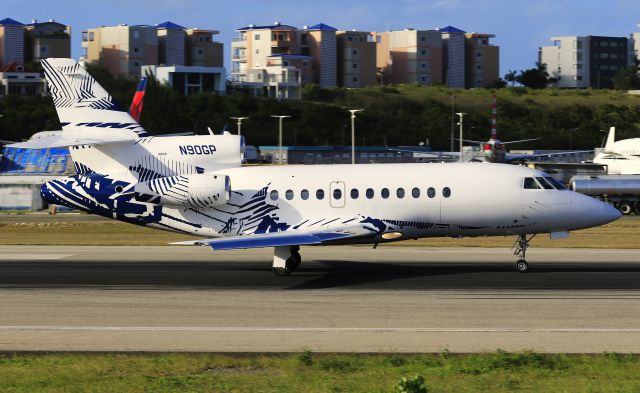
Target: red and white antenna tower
(494, 114)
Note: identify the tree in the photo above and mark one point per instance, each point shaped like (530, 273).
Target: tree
(626, 79)
(535, 78)
(511, 77)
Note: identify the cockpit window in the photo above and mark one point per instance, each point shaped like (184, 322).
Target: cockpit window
(555, 183)
(530, 184)
(545, 183)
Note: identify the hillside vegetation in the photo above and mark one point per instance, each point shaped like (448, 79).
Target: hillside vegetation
(394, 115)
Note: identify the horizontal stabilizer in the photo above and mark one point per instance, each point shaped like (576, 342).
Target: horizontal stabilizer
(70, 138)
(276, 239)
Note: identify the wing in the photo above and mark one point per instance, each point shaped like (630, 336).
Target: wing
(518, 141)
(70, 138)
(293, 237)
(510, 157)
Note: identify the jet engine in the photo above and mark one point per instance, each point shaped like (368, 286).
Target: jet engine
(195, 190)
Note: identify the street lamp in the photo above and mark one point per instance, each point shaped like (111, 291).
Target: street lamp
(280, 117)
(461, 114)
(239, 122)
(353, 133)
(453, 118)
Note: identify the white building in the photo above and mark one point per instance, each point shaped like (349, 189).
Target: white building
(188, 80)
(567, 61)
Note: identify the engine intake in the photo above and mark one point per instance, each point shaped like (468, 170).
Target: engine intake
(196, 191)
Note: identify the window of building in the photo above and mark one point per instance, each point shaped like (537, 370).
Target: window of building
(354, 52)
(423, 65)
(354, 193)
(604, 67)
(349, 38)
(604, 55)
(285, 63)
(273, 195)
(400, 193)
(613, 55)
(354, 65)
(136, 34)
(379, 39)
(289, 195)
(604, 43)
(431, 192)
(577, 56)
(200, 51)
(577, 78)
(136, 64)
(577, 44)
(478, 54)
(423, 38)
(257, 51)
(369, 193)
(354, 79)
(304, 195)
(577, 66)
(423, 78)
(423, 52)
(305, 63)
(478, 66)
(43, 49)
(135, 49)
(337, 194)
(613, 68)
(415, 192)
(446, 192)
(256, 37)
(320, 194)
(384, 193)
(91, 36)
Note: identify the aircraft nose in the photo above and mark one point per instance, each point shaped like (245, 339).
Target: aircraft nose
(589, 212)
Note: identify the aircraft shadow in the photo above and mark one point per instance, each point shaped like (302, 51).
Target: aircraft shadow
(320, 274)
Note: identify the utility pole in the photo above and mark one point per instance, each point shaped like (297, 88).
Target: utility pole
(461, 114)
(239, 123)
(280, 117)
(353, 133)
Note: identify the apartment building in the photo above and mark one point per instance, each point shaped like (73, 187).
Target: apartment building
(171, 43)
(46, 39)
(267, 60)
(482, 60)
(11, 41)
(410, 56)
(356, 59)
(586, 61)
(453, 59)
(319, 42)
(202, 50)
(122, 49)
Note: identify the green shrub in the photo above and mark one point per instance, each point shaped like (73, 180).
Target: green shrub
(413, 385)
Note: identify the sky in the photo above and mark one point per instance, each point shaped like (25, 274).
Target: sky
(521, 27)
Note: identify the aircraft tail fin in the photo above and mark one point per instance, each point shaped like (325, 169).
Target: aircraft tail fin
(82, 104)
(135, 110)
(611, 138)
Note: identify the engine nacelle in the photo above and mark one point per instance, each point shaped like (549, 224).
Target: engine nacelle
(196, 191)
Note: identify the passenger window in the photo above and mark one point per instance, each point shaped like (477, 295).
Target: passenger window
(369, 193)
(288, 195)
(431, 192)
(337, 193)
(320, 194)
(555, 183)
(354, 193)
(415, 192)
(544, 183)
(274, 195)
(384, 193)
(400, 193)
(446, 192)
(530, 183)
(304, 194)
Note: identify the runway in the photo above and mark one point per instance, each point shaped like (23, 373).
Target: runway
(342, 299)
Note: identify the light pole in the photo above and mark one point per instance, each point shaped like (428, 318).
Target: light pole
(461, 114)
(239, 122)
(353, 133)
(280, 117)
(453, 119)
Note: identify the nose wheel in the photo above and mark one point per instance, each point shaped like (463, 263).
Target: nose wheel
(520, 250)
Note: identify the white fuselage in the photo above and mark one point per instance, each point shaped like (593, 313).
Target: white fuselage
(622, 158)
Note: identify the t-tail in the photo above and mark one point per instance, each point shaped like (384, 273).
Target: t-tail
(88, 114)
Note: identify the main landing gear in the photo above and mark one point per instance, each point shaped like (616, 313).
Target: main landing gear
(520, 250)
(286, 259)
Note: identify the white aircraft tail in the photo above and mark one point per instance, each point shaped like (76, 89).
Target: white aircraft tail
(611, 138)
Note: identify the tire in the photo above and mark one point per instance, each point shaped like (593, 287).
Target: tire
(294, 260)
(625, 208)
(522, 266)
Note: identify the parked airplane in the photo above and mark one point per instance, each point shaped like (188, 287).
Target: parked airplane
(621, 157)
(196, 185)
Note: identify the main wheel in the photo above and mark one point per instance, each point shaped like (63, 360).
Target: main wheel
(294, 260)
(282, 271)
(522, 266)
(625, 208)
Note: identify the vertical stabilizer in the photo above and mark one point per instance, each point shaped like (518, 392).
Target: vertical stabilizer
(82, 104)
(611, 138)
(138, 99)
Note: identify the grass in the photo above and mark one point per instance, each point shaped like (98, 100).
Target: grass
(495, 372)
(624, 233)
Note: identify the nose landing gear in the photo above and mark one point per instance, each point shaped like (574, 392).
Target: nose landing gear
(520, 250)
